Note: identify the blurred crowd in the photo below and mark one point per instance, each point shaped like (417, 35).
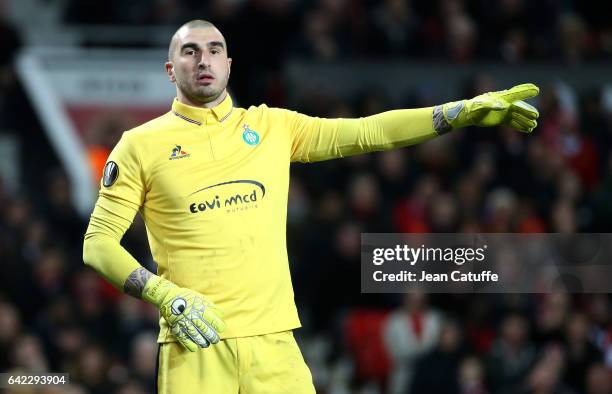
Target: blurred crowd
(456, 29)
(57, 315)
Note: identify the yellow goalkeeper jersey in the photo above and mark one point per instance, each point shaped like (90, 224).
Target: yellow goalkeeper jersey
(212, 188)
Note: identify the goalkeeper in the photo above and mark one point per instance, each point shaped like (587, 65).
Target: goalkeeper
(211, 183)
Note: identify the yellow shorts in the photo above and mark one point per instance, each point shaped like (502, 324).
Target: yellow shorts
(268, 364)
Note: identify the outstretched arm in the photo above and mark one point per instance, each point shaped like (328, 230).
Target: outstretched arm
(316, 139)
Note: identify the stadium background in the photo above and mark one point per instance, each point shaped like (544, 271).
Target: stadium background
(335, 58)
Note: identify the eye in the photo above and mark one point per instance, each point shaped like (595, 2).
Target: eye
(215, 51)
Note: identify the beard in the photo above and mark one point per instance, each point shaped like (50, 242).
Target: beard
(200, 94)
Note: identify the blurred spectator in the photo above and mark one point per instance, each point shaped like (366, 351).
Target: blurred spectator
(461, 35)
(437, 372)
(395, 28)
(28, 355)
(69, 340)
(135, 318)
(132, 387)
(411, 215)
(545, 378)
(60, 210)
(101, 135)
(573, 34)
(500, 208)
(49, 275)
(318, 40)
(469, 194)
(563, 218)
(569, 187)
(393, 169)
(409, 333)
(552, 311)
(600, 313)
(10, 327)
(511, 357)
(364, 195)
(92, 369)
(602, 210)
(144, 359)
(598, 380)
(581, 353)
(93, 306)
(444, 214)
(471, 377)
(299, 207)
(479, 330)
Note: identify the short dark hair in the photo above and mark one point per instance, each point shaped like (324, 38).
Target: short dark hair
(193, 24)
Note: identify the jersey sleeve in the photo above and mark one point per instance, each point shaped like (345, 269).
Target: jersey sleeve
(123, 180)
(122, 191)
(316, 139)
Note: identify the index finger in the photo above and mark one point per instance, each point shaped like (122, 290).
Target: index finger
(520, 92)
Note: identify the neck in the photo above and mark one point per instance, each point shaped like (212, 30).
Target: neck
(182, 98)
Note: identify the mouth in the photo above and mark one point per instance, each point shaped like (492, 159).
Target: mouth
(205, 78)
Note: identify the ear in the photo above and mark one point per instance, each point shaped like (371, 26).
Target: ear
(170, 71)
(229, 66)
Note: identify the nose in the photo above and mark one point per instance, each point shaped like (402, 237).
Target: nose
(204, 61)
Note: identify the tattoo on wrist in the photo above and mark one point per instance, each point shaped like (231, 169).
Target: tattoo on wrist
(440, 124)
(136, 282)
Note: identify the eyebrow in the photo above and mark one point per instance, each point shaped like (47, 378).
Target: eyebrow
(216, 44)
(195, 46)
(191, 45)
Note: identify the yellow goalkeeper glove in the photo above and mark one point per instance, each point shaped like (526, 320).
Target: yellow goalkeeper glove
(505, 107)
(193, 320)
